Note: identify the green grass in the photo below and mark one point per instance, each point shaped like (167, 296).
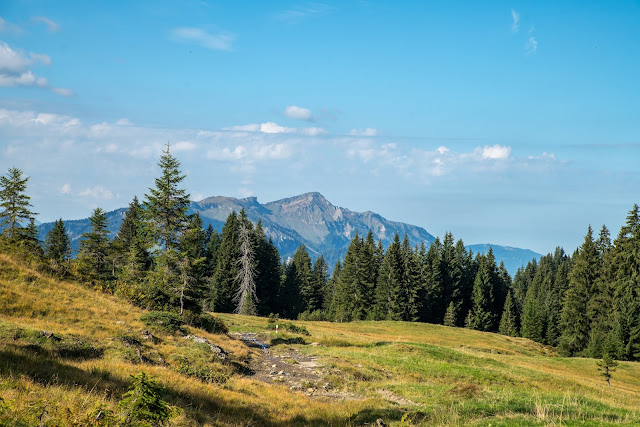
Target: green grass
(404, 373)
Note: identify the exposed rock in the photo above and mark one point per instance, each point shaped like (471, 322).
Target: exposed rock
(380, 423)
(218, 351)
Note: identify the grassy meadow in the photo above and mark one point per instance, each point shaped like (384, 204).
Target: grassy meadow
(67, 353)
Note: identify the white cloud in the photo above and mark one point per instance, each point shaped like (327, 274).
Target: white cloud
(65, 189)
(515, 24)
(214, 42)
(300, 12)
(63, 91)
(52, 26)
(97, 192)
(183, 146)
(532, 45)
(298, 113)
(496, 152)
(26, 78)
(8, 27)
(17, 62)
(364, 132)
(15, 72)
(312, 131)
(442, 150)
(271, 127)
(252, 127)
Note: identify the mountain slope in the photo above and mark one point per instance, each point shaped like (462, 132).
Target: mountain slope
(68, 353)
(308, 219)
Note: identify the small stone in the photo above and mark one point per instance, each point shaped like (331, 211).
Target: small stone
(281, 373)
(380, 423)
(311, 390)
(273, 366)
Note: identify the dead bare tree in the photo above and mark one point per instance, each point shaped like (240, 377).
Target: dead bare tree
(245, 297)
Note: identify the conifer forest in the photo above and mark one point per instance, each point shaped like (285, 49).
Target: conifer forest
(585, 303)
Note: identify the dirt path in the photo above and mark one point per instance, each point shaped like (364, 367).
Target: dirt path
(287, 366)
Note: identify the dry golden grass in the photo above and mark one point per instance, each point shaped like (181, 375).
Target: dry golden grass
(405, 373)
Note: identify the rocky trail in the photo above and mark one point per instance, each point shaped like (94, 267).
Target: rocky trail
(289, 367)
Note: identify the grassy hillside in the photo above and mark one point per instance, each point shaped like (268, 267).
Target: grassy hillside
(67, 354)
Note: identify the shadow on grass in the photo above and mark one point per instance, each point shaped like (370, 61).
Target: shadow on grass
(200, 406)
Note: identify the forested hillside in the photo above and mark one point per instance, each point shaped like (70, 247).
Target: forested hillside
(587, 303)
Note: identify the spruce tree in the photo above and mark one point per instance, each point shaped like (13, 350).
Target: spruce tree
(58, 247)
(481, 315)
(223, 285)
(14, 203)
(388, 291)
(93, 256)
(166, 204)
(508, 322)
(309, 292)
(350, 291)
(451, 315)
(268, 272)
(574, 320)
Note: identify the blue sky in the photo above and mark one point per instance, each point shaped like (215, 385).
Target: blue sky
(515, 123)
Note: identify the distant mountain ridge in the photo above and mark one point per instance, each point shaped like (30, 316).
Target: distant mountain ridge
(308, 219)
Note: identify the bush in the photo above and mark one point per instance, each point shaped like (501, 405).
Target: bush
(294, 329)
(142, 403)
(163, 320)
(294, 340)
(205, 321)
(201, 371)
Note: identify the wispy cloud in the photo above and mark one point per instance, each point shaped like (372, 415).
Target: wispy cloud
(531, 46)
(515, 23)
(97, 192)
(274, 128)
(298, 113)
(52, 26)
(8, 27)
(302, 11)
(364, 132)
(222, 41)
(15, 72)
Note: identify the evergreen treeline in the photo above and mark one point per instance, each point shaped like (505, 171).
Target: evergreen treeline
(586, 304)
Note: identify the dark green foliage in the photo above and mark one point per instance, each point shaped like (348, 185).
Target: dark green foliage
(166, 205)
(93, 256)
(143, 403)
(57, 245)
(204, 321)
(223, 283)
(574, 321)
(289, 299)
(165, 321)
(14, 203)
(388, 291)
(606, 366)
(509, 321)
(451, 315)
(482, 316)
(311, 297)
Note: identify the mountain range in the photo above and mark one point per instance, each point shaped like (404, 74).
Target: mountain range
(307, 219)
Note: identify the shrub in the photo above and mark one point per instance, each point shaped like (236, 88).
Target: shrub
(205, 321)
(294, 340)
(294, 329)
(143, 402)
(201, 371)
(163, 320)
